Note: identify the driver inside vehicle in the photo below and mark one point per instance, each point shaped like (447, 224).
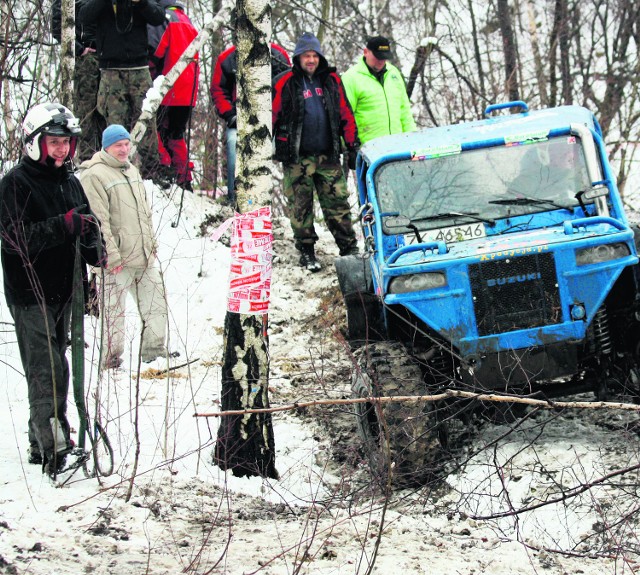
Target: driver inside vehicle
(553, 169)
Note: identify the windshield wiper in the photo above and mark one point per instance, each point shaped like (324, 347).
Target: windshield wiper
(475, 216)
(525, 201)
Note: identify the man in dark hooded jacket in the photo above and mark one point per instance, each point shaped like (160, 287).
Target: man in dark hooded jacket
(310, 116)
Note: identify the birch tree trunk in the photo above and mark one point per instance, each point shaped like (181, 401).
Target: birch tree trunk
(67, 52)
(537, 58)
(246, 443)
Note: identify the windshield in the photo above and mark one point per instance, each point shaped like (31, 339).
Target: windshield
(493, 183)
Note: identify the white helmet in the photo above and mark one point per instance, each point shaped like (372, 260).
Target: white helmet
(51, 119)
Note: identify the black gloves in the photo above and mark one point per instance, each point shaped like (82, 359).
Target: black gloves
(78, 224)
(230, 117)
(352, 154)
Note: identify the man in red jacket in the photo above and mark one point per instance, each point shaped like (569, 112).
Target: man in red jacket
(170, 42)
(311, 118)
(223, 93)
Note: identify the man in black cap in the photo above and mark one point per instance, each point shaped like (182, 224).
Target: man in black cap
(377, 93)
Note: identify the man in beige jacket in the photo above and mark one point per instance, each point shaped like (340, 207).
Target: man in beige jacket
(117, 196)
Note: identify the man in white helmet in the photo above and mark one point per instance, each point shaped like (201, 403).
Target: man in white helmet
(43, 212)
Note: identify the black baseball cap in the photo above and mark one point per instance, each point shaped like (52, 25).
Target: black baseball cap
(380, 46)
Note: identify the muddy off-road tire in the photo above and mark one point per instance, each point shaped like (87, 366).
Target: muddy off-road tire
(363, 307)
(401, 439)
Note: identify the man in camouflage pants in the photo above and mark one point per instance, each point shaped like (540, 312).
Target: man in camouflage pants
(310, 116)
(299, 183)
(122, 47)
(85, 92)
(120, 100)
(86, 80)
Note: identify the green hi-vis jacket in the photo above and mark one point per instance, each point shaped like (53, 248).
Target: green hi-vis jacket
(380, 109)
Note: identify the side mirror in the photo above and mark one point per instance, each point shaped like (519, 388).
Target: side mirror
(395, 224)
(594, 193)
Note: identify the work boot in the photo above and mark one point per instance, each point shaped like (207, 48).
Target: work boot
(163, 176)
(150, 357)
(35, 457)
(308, 258)
(54, 464)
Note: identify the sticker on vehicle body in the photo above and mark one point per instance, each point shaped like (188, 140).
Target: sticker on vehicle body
(501, 254)
(449, 234)
(526, 138)
(436, 152)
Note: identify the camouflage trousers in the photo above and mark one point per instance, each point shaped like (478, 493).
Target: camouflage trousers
(85, 98)
(327, 179)
(120, 98)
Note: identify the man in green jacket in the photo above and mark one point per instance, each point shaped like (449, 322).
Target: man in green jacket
(377, 93)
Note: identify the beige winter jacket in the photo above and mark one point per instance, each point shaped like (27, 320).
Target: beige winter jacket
(117, 196)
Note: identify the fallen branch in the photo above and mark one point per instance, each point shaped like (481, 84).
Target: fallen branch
(541, 403)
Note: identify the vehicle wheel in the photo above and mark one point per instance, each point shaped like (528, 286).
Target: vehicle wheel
(364, 317)
(364, 309)
(633, 385)
(401, 439)
(502, 413)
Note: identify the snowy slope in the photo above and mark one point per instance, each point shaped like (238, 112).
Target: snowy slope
(323, 515)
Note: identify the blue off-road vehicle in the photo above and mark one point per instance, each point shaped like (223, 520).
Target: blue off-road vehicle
(498, 258)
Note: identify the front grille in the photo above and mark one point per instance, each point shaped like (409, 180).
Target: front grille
(515, 293)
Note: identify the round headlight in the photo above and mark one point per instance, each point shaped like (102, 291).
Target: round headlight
(417, 282)
(601, 253)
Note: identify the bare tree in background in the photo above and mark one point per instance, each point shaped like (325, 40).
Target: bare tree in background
(67, 51)
(206, 142)
(509, 49)
(26, 69)
(549, 53)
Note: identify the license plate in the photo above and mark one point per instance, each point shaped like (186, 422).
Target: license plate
(450, 234)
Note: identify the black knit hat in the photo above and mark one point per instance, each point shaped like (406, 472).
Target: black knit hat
(380, 46)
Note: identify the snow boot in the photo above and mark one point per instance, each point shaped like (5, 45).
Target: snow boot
(308, 259)
(35, 457)
(54, 464)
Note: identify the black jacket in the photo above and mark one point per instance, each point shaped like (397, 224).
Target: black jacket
(37, 251)
(85, 34)
(288, 114)
(121, 41)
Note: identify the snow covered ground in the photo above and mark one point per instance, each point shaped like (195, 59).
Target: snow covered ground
(324, 515)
